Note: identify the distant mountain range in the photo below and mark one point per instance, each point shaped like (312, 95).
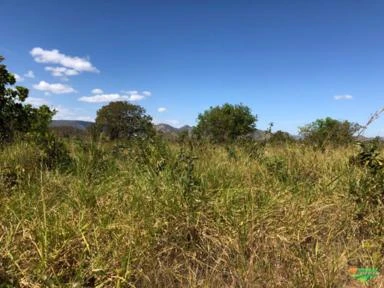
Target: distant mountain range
(162, 127)
(166, 128)
(83, 125)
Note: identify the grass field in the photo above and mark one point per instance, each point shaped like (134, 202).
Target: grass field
(179, 215)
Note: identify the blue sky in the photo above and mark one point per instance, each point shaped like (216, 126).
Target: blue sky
(291, 62)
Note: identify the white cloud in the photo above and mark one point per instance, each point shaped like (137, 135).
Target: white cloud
(146, 93)
(161, 109)
(343, 97)
(55, 57)
(36, 101)
(61, 71)
(97, 91)
(101, 98)
(126, 96)
(29, 74)
(56, 88)
(18, 78)
(135, 97)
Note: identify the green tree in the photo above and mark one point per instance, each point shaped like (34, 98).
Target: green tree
(122, 120)
(329, 131)
(40, 118)
(15, 116)
(12, 112)
(281, 137)
(225, 123)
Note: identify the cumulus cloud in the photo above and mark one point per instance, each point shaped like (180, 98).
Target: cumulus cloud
(29, 74)
(110, 97)
(55, 88)
(146, 93)
(18, 78)
(161, 109)
(72, 63)
(135, 97)
(97, 91)
(132, 96)
(36, 101)
(343, 97)
(61, 71)
(101, 98)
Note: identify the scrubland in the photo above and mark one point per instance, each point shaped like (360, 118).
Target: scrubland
(160, 214)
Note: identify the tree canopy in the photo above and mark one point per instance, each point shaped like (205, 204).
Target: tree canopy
(15, 116)
(281, 137)
(122, 120)
(328, 130)
(226, 123)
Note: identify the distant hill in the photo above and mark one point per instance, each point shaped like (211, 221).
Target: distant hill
(166, 128)
(161, 127)
(82, 125)
(186, 128)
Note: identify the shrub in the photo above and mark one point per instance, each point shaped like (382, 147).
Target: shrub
(329, 131)
(225, 123)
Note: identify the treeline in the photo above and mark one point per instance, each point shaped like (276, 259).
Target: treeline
(124, 121)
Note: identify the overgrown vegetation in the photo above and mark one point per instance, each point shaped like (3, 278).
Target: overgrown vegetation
(148, 212)
(155, 214)
(329, 131)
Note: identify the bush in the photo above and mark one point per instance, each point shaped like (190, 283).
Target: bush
(55, 153)
(329, 131)
(19, 163)
(225, 123)
(280, 138)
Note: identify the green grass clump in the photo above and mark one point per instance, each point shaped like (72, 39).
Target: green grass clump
(154, 214)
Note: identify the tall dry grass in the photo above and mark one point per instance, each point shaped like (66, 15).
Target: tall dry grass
(161, 215)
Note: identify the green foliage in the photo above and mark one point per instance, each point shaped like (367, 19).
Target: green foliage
(184, 172)
(280, 138)
(329, 131)
(69, 132)
(367, 189)
(278, 167)
(39, 120)
(369, 157)
(122, 120)
(255, 149)
(16, 117)
(150, 154)
(93, 163)
(12, 112)
(225, 123)
(18, 165)
(55, 152)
